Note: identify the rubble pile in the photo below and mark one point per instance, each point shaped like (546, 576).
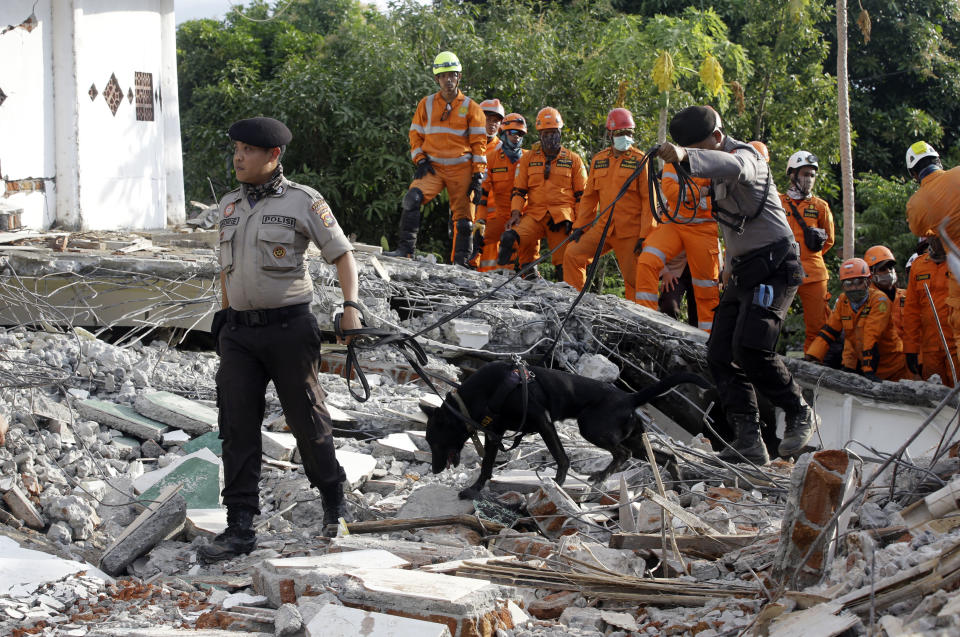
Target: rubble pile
(110, 475)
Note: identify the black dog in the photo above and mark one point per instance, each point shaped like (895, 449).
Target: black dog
(604, 413)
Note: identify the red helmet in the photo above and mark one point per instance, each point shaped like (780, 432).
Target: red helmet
(492, 106)
(514, 121)
(762, 149)
(854, 269)
(549, 117)
(877, 255)
(619, 118)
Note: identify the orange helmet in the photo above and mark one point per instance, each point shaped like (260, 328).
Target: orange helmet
(620, 118)
(492, 106)
(762, 149)
(549, 117)
(514, 121)
(854, 269)
(877, 255)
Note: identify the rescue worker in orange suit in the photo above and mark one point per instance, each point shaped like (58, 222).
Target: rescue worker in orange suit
(937, 201)
(493, 111)
(883, 275)
(494, 209)
(632, 219)
(448, 147)
(694, 231)
(871, 344)
(805, 209)
(549, 182)
(921, 340)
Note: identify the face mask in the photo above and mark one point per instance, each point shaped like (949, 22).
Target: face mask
(886, 280)
(857, 296)
(805, 183)
(550, 141)
(622, 143)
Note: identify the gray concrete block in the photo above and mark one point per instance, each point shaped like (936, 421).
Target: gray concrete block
(159, 520)
(122, 418)
(22, 508)
(177, 411)
(340, 621)
(434, 501)
(278, 445)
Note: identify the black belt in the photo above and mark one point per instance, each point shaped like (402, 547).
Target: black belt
(259, 318)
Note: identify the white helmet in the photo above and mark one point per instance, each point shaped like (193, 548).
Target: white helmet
(917, 151)
(800, 159)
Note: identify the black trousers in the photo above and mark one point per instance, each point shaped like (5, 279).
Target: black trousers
(288, 353)
(740, 350)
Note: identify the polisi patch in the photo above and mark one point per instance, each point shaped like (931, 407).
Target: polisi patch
(279, 220)
(279, 252)
(229, 209)
(229, 222)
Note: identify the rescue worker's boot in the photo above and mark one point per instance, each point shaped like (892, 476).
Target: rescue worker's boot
(558, 273)
(334, 507)
(237, 539)
(409, 225)
(749, 442)
(799, 429)
(462, 242)
(508, 241)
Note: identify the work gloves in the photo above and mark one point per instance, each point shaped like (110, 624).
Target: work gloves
(423, 167)
(576, 234)
(564, 226)
(475, 191)
(913, 364)
(638, 247)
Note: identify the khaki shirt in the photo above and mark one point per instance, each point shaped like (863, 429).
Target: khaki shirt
(261, 248)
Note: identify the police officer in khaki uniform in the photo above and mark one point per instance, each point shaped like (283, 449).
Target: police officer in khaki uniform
(265, 330)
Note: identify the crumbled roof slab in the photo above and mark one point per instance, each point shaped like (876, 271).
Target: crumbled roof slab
(121, 417)
(177, 412)
(341, 621)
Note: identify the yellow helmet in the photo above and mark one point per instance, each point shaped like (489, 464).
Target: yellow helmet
(446, 61)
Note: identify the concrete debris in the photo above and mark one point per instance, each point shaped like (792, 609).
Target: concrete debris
(111, 456)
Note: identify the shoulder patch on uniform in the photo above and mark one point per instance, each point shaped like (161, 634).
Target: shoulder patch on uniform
(601, 163)
(229, 209)
(320, 206)
(922, 277)
(810, 212)
(279, 220)
(229, 222)
(463, 111)
(535, 163)
(882, 307)
(499, 169)
(629, 163)
(564, 163)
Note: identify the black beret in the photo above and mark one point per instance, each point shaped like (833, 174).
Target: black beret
(264, 132)
(692, 125)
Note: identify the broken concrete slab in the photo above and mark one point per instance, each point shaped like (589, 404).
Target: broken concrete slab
(210, 440)
(175, 437)
(357, 466)
(205, 522)
(527, 481)
(22, 508)
(400, 446)
(44, 412)
(278, 445)
(23, 570)
(121, 417)
(554, 511)
(151, 478)
(434, 501)
(201, 481)
(127, 448)
(417, 553)
(177, 412)
(156, 522)
(341, 621)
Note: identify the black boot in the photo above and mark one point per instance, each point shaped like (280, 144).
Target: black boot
(749, 442)
(462, 242)
(507, 242)
(558, 273)
(239, 537)
(409, 225)
(334, 508)
(800, 426)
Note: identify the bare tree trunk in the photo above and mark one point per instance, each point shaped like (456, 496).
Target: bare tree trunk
(843, 112)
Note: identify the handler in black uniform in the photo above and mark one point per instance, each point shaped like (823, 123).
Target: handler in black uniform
(763, 259)
(266, 331)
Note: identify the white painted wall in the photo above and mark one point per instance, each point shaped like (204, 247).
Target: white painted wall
(26, 116)
(112, 171)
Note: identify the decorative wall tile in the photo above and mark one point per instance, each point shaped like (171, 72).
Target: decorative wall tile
(3, 97)
(130, 95)
(113, 94)
(93, 92)
(143, 84)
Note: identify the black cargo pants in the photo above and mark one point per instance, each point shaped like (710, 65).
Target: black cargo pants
(282, 345)
(740, 350)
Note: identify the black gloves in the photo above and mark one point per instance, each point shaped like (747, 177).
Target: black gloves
(475, 190)
(638, 247)
(576, 234)
(564, 226)
(871, 376)
(423, 167)
(913, 364)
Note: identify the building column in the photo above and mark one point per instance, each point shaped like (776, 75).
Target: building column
(172, 150)
(67, 15)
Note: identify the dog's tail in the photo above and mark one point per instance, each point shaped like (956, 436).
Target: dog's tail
(648, 393)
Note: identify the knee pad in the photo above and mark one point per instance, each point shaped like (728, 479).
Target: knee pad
(507, 241)
(464, 226)
(413, 199)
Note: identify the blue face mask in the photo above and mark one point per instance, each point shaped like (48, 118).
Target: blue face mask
(622, 143)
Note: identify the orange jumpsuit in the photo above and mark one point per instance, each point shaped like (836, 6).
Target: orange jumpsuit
(813, 291)
(921, 335)
(631, 217)
(937, 197)
(871, 342)
(455, 142)
(697, 237)
(494, 208)
(543, 198)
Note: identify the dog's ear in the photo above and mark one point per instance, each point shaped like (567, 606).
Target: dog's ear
(428, 409)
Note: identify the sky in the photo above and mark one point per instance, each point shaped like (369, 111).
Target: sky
(196, 9)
